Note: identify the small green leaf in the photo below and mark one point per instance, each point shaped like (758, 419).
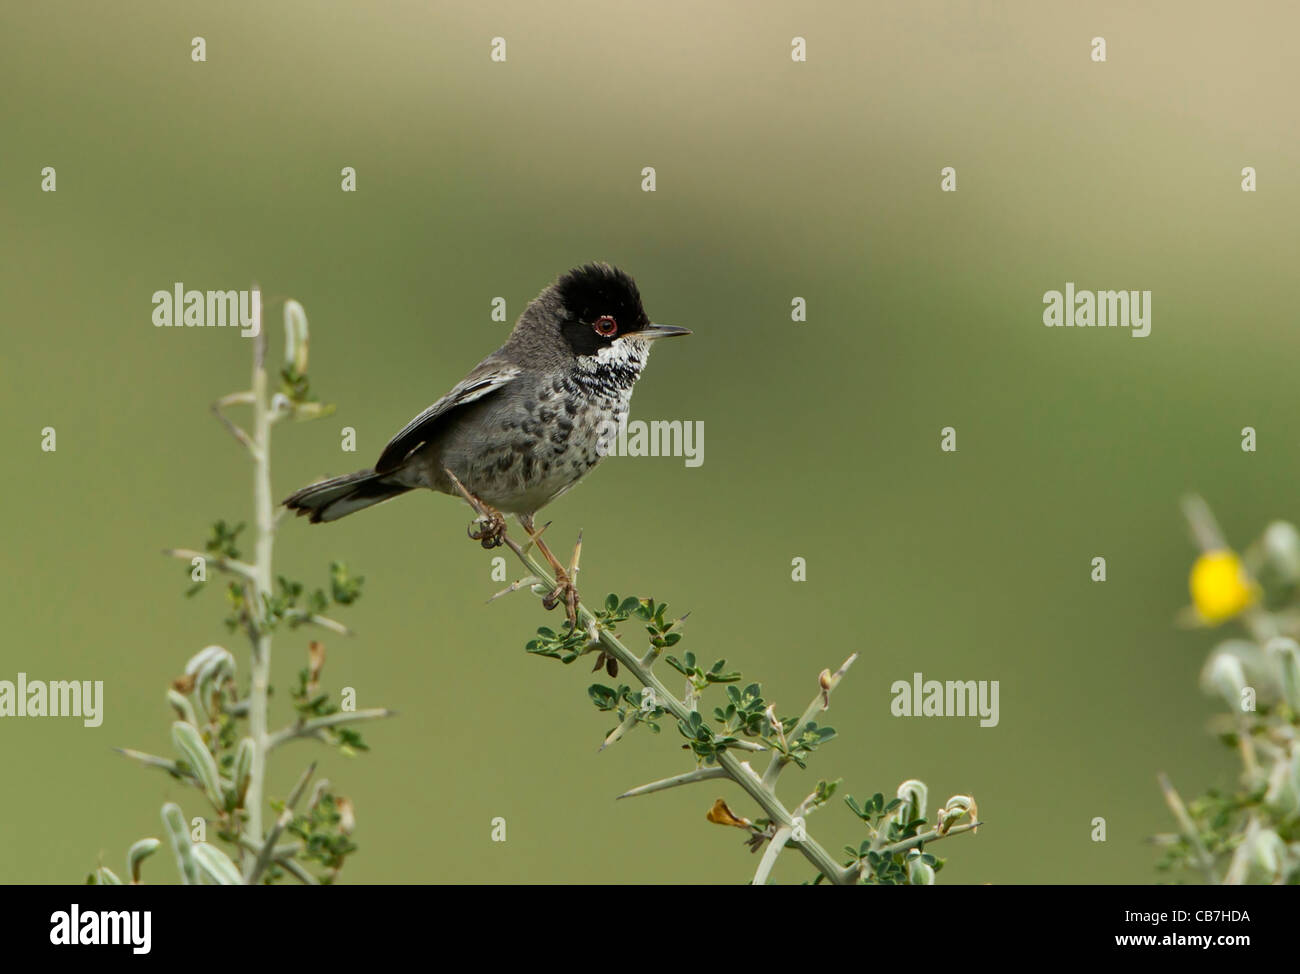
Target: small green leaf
(602, 696)
(216, 865)
(195, 753)
(179, 832)
(137, 854)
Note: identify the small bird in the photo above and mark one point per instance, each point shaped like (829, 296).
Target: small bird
(526, 424)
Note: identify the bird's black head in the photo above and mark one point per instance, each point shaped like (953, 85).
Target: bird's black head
(591, 319)
(601, 304)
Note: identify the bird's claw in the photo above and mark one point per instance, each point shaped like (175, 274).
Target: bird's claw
(566, 580)
(565, 593)
(491, 530)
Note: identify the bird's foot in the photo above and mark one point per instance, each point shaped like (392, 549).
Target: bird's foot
(566, 580)
(565, 593)
(489, 528)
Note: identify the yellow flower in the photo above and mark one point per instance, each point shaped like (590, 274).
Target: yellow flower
(720, 814)
(1220, 587)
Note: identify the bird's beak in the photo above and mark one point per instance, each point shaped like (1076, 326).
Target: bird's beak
(651, 332)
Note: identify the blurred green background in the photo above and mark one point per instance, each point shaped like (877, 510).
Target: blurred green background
(775, 179)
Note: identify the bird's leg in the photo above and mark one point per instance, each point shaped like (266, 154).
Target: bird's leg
(566, 580)
(491, 531)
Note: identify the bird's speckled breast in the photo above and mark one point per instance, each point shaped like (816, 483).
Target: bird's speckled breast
(532, 447)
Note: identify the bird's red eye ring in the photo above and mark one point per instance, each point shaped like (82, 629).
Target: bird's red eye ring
(605, 325)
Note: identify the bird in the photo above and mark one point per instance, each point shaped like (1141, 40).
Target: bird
(526, 424)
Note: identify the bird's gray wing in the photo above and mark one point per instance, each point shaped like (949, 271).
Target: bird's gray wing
(487, 379)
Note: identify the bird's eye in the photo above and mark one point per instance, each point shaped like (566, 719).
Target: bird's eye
(605, 325)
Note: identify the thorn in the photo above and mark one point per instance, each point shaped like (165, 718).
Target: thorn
(616, 734)
(573, 565)
(514, 587)
(532, 538)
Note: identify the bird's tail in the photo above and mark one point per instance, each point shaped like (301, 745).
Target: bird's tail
(332, 499)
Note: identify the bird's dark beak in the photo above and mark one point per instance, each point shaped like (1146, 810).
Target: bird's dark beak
(651, 332)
